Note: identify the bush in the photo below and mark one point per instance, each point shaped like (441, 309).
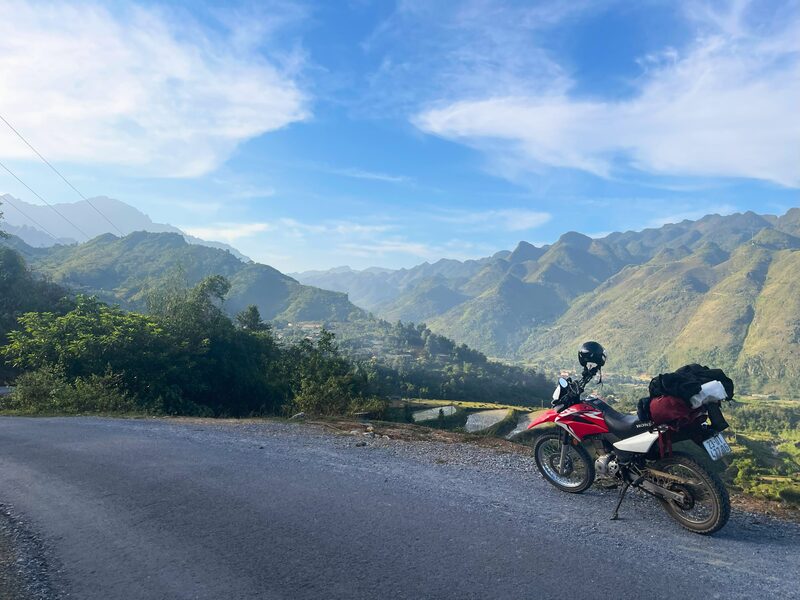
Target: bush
(374, 406)
(101, 393)
(37, 391)
(47, 391)
(330, 397)
(791, 495)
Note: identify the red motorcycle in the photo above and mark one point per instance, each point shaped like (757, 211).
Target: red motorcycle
(635, 453)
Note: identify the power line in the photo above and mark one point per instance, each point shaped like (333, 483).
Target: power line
(57, 172)
(31, 219)
(45, 201)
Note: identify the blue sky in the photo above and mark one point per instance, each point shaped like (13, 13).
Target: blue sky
(317, 134)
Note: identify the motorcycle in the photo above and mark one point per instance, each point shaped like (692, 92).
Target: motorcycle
(633, 453)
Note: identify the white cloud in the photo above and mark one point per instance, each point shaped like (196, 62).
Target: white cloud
(463, 48)
(286, 227)
(227, 232)
(505, 219)
(136, 87)
(375, 248)
(726, 107)
(299, 228)
(399, 246)
(363, 174)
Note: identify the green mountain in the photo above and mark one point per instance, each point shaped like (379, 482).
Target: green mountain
(430, 297)
(399, 358)
(124, 270)
(721, 290)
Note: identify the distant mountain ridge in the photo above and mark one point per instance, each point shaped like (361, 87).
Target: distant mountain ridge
(712, 290)
(124, 270)
(124, 216)
(127, 270)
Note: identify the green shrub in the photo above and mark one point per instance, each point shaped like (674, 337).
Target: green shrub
(38, 391)
(47, 391)
(791, 495)
(373, 405)
(101, 393)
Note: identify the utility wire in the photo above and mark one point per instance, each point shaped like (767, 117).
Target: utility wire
(45, 201)
(30, 218)
(57, 172)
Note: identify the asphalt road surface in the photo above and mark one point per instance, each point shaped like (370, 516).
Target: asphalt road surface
(162, 509)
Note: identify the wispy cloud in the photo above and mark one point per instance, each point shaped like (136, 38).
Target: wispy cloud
(287, 227)
(504, 219)
(363, 174)
(725, 107)
(380, 248)
(227, 232)
(333, 227)
(139, 86)
(439, 49)
(403, 247)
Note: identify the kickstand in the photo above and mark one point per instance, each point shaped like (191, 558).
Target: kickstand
(622, 492)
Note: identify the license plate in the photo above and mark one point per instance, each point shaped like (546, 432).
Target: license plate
(717, 447)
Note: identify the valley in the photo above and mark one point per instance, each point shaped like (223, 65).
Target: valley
(721, 290)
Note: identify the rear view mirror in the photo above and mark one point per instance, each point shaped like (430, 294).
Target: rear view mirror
(561, 389)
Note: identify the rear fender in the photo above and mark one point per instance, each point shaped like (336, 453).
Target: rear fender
(548, 416)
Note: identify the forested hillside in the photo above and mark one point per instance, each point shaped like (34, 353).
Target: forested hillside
(125, 270)
(150, 275)
(719, 290)
(722, 290)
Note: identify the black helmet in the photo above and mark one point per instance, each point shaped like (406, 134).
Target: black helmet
(592, 353)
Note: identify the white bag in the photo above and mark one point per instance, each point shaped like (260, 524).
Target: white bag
(712, 391)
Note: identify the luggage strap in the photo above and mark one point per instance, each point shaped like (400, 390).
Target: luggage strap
(664, 441)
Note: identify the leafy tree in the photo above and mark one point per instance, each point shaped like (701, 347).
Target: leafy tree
(93, 338)
(325, 382)
(250, 319)
(20, 292)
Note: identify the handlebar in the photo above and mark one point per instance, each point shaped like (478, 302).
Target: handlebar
(576, 388)
(588, 375)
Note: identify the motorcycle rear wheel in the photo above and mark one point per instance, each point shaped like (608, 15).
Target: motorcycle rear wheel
(708, 505)
(579, 472)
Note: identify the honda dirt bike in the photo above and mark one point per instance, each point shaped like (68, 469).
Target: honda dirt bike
(634, 453)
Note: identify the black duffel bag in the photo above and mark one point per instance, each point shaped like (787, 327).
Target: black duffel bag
(686, 382)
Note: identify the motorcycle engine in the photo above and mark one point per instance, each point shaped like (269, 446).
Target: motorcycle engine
(606, 466)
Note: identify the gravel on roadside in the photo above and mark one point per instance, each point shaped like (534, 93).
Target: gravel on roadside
(25, 572)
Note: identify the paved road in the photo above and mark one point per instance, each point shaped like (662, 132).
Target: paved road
(158, 509)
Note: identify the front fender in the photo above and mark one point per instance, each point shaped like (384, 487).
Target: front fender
(547, 416)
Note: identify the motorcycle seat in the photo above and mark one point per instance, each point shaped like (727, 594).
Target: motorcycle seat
(622, 425)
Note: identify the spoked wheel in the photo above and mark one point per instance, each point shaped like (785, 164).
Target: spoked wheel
(577, 472)
(706, 505)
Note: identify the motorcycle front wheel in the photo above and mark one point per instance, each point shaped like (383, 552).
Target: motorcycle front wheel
(577, 473)
(706, 506)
